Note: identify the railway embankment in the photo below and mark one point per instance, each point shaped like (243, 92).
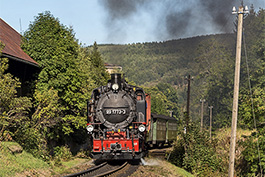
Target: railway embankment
(14, 161)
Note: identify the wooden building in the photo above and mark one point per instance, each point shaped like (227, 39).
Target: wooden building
(112, 68)
(21, 65)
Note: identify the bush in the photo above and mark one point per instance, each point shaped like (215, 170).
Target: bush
(195, 152)
(250, 163)
(63, 153)
(13, 109)
(32, 141)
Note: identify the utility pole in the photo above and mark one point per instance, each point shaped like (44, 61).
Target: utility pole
(202, 101)
(188, 102)
(211, 116)
(240, 13)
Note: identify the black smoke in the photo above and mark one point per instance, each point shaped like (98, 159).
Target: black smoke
(170, 19)
(118, 9)
(219, 11)
(181, 19)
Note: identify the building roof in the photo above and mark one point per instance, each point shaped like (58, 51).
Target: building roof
(112, 65)
(158, 116)
(12, 40)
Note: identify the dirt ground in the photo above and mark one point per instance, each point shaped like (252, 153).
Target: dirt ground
(156, 168)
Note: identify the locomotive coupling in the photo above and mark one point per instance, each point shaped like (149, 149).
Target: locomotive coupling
(115, 146)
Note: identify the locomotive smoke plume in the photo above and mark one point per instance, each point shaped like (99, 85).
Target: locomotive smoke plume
(169, 19)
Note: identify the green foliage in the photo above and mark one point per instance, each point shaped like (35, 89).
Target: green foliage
(100, 75)
(65, 80)
(159, 102)
(13, 109)
(61, 154)
(86, 71)
(172, 97)
(196, 153)
(256, 59)
(178, 153)
(254, 146)
(218, 81)
(56, 95)
(258, 106)
(54, 47)
(32, 140)
(15, 113)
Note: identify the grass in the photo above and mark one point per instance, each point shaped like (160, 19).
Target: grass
(223, 146)
(25, 164)
(177, 170)
(226, 133)
(66, 166)
(10, 164)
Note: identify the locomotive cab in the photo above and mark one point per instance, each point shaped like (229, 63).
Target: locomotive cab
(117, 120)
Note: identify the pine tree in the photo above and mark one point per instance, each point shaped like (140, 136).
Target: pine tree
(100, 74)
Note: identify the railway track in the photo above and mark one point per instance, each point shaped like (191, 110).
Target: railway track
(115, 168)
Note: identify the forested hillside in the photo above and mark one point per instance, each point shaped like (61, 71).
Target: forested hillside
(208, 59)
(172, 61)
(167, 61)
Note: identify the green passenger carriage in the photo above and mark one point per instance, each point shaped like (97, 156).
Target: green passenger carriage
(163, 130)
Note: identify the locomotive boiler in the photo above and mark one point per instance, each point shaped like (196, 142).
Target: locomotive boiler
(117, 120)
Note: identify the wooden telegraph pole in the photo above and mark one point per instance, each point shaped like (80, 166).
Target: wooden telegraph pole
(188, 102)
(211, 117)
(240, 13)
(202, 101)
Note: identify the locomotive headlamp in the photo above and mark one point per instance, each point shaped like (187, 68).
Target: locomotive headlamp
(115, 86)
(89, 128)
(141, 128)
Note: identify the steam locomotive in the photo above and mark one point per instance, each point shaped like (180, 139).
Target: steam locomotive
(120, 122)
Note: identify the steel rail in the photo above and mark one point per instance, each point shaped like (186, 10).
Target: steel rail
(87, 171)
(112, 171)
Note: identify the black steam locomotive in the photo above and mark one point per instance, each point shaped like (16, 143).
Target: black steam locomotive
(117, 116)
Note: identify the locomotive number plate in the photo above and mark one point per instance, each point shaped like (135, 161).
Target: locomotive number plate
(115, 111)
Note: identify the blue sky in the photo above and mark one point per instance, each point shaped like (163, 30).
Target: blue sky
(127, 21)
